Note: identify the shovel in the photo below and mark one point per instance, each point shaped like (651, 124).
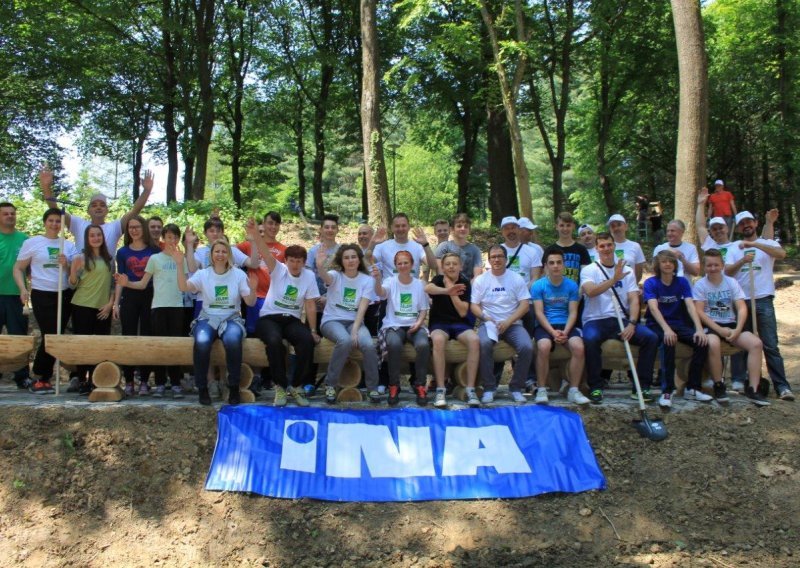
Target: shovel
(652, 429)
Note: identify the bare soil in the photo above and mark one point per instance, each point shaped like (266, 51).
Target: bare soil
(123, 486)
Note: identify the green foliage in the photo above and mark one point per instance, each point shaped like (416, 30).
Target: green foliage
(425, 184)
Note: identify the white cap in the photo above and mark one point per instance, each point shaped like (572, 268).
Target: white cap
(719, 182)
(510, 220)
(98, 197)
(525, 223)
(743, 215)
(616, 217)
(716, 221)
(583, 227)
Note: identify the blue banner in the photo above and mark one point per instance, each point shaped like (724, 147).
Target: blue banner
(402, 455)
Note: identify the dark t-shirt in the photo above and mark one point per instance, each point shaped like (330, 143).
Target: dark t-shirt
(442, 309)
(670, 299)
(575, 256)
(133, 262)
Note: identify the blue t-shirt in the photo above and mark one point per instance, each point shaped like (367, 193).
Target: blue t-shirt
(670, 299)
(133, 262)
(555, 299)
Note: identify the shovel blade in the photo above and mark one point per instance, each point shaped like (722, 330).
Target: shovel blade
(652, 429)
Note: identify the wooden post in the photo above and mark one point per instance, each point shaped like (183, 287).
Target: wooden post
(106, 378)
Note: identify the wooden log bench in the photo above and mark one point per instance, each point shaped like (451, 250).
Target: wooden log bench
(15, 351)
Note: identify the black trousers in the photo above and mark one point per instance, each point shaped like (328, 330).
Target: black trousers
(272, 330)
(85, 322)
(45, 310)
(167, 322)
(134, 315)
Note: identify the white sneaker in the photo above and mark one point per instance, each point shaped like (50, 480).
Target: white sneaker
(441, 399)
(708, 384)
(518, 397)
(575, 396)
(472, 398)
(214, 390)
(541, 396)
(488, 397)
(563, 390)
(381, 390)
(665, 400)
(699, 396)
(737, 386)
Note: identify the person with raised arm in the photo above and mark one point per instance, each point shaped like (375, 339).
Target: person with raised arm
(93, 301)
(685, 252)
(292, 289)
(167, 306)
(450, 318)
(716, 235)
(751, 261)
(385, 251)
(604, 282)
(671, 315)
(222, 288)
(349, 292)
(500, 299)
(41, 255)
(406, 309)
(720, 303)
(98, 211)
(555, 304)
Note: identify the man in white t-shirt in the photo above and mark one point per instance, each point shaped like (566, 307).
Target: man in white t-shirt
(717, 236)
(527, 232)
(384, 252)
(623, 248)
(751, 262)
(588, 239)
(500, 299)
(98, 211)
(685, 252)
(603, 283)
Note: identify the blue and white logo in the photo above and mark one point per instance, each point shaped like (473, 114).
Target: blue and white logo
(408, 454)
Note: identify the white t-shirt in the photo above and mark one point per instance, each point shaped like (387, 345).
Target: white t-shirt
(720, 300)
(592, 254)
(630, 251)
(287, 294)
(710, 243)
(111, 229)
(602, 305)
(528, 258)
(221, 293)
(688, 249)
(43, 254)
(201, 257)
(404, 302)
(762, 268)
(344, 296)
(164, 271)
(499, 296)
(385, 251)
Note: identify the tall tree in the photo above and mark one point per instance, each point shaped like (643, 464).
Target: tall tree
(374, 164)
(690, 161)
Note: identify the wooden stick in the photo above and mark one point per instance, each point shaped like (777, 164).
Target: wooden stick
(60, 295)
(602, 512)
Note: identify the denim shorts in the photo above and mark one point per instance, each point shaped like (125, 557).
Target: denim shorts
(451, 329)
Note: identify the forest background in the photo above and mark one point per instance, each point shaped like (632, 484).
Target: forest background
(256, 104)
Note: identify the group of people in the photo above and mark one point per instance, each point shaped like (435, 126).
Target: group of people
(570, 293)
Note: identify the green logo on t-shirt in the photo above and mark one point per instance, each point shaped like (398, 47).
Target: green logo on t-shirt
(52, 257)
(221, 297)
(289, 300)
(405, 302)
(723, 251)
(620, 253)
(291, 293)
(348, 300)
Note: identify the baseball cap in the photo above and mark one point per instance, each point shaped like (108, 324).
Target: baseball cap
(719, 182)
(743, 215)
(616, 217)
(716, 221)
(510, 220)
(583, 227)
(98, 197)
(525, 223)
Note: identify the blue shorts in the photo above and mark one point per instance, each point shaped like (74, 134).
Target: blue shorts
(451, 329)
(540, 333)
(251, 316)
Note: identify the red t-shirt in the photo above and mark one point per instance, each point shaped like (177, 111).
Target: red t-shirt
(721, 202)
(278, 251)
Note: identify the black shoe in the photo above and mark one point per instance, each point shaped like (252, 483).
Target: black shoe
(85, 388)
(763, 387)
(720, 392)
(205, 398)
(596, 396)
(24, 384)
(233, 395)
(755, 396)
(422, 395)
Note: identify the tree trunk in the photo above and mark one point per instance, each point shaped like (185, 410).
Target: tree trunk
(170, 85)
(204, 30)
(374, 165)
(502, 191)
(690, 163)
(188, 172)
(320, 116)
(469, 130)
(301, 159)
(785, 107)
(509, 91)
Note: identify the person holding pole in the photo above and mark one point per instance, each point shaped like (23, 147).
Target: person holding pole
(49, 267)
(751, 262)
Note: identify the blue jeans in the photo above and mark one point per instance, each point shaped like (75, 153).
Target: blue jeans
(339, 332)
(204, 336)
(595, 332)
(518, 338)
(685, 335)
(768, 332)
